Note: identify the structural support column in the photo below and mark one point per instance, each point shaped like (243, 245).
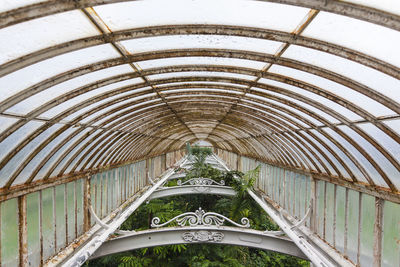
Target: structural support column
(23, 232)
(86, 213)
(378, 231)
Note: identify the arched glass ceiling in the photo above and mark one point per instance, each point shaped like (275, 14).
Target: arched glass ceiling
(305, 84)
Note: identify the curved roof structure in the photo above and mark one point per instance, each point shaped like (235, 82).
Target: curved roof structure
(304, 84)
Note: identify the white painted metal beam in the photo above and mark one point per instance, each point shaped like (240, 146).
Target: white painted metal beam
(193, 189)
(203, 234)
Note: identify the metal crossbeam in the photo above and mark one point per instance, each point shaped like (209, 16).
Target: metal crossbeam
(204, 234)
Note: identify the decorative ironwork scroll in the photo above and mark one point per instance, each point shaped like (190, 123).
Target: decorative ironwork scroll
(200, 217)
(201, 181)
(203, 236)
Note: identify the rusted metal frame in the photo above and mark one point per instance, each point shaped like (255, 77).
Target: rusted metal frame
(65, 141)
(51, 138)
(281, 50)
(343, 119)
(146, 32)
(118, 147)
(378, 232)
(348, 104)
(103, 28)
(22, 231)
(285, 118)
(326, 122)
(104, 141)
(115, 125)
(86, 199)
(327, 158)
(316, 137)
(107, 158)
(71, 148)
(39, 185)
(287, 143)
(219, 53)
(292, 135)
(51, 7)
(316, 116)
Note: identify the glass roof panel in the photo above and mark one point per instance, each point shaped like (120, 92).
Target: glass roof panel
(295, 110)
(53, 92)
(371, 39)
(200, 74)
(33, 35)
(372, 106)
(326, 152)
(17, 80)
(157, 63)
(200, 41)
(23, 154)
(375, 176)
(357, 173)
(11, 4)
(92, 94)
(372, 78)
(6, 122)
(26, 172)
(386, 5)
(46, 168)
(387, 167)
(324, 101)
(10, 142)
(70, 154)
(232, 12)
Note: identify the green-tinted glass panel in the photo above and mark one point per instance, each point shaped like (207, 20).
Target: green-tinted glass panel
(340, 217)
(79, 205)
(48, 230)
(9, 233)
(33, 227)
(352, 240)
(391, 235)
(60, 217)
(367, 229)
(330, 190)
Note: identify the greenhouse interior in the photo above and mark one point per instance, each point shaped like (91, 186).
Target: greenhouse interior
(199, 133)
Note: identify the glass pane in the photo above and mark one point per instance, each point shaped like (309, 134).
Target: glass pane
(200, 74)
(375, 176)
(352, 225)
(380, 159)
(33, 227)
(48, 229)
(356, 34)
(158, 12)
(36, 34)
(322, 100)
(60, 217)
(16, 81)
(372, 106)
(9, 233)
(391, 235)
(340, 218)
(11, 4)
(370, 77)
(71, 212)
(367, 230)
(58, 90)
(386, 5)
(158, 63)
